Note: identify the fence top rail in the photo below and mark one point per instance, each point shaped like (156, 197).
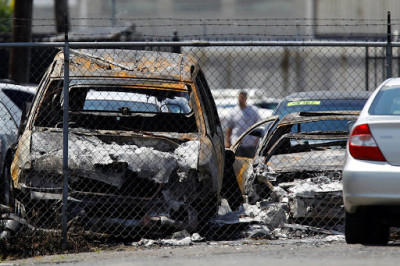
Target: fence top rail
(199, 43)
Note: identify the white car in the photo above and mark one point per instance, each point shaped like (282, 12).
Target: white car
(371, 175)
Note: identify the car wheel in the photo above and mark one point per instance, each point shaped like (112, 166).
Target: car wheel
(378, 233)
(365, 229)
(354, 228)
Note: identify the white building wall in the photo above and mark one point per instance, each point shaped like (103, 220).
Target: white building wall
(371, 13)
(83, 12)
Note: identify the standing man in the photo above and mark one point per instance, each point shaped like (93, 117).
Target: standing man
(241, 118)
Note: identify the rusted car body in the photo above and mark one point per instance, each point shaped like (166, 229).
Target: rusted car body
(298, 161)
(142, 161)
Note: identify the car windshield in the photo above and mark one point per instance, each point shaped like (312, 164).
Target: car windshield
(386, 102)
(287, 107)
(119, 108)
(226, 105)
(299, 137)
(296, 144)
(266, 105)
(326, 125)
(104, 105)
(116, 101)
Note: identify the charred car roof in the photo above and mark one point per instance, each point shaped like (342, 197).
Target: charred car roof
(111, 63)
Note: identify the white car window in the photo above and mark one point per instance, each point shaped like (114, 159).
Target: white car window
(386, 102)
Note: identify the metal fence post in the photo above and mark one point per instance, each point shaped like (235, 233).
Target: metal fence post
(366, 68)
(389, 48)
(65, 143)
(175, 38)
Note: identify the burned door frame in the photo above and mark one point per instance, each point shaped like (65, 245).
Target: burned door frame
(213, 128)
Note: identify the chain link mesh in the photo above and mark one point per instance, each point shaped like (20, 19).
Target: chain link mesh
(147, 134)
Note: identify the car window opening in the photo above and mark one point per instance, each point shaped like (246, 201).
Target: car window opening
(119, 108)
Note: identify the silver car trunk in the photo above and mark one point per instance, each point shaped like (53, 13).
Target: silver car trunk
(386, 133)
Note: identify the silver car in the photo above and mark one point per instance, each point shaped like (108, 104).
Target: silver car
(371, 175)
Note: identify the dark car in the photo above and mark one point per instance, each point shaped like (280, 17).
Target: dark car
(146, 146)
(13, 99)
(322, 101)
(309, 101)
(298, 168)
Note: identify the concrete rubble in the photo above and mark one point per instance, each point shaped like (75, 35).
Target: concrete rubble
(271, 214)
(318, 196)
(181, 238)
(267, 219)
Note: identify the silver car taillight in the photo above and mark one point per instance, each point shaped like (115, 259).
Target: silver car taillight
(362, 145)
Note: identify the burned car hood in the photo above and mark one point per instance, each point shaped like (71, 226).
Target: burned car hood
(97, 156)
(328, 160)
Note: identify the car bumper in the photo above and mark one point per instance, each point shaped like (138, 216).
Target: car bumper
(110, 214)
(368, 183)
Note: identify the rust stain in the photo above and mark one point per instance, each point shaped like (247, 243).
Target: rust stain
(241, 178)
(21, 159)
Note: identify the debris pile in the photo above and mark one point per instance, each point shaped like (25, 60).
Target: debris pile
(318, 197)
(267, 220)
(316, 200)
(19, 239)
(89, 156)
(180, 238)
(7, 226)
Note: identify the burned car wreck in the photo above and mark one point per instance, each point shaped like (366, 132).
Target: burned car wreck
(145, 144)
(298, 162)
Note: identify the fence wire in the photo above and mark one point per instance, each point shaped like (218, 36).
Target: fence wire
(148, 133)
(220, 29)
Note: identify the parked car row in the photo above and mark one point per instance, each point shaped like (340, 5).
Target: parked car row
(307, 157)
(146, 148)
(299, 160)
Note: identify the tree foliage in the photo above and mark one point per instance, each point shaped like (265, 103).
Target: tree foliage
(6, 13)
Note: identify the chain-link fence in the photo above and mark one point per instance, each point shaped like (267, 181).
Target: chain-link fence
(131, 142)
